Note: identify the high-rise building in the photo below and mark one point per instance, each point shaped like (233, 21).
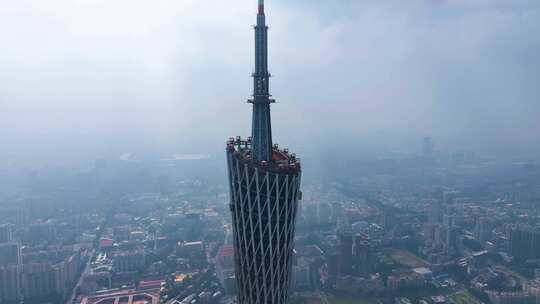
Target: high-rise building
(435, 211)
(332, 261)
(449, 230)
(525, 243)
(42, 278)
(10, 283)
(428, 147)
(362, 256)
(126, 261)
(10, 270)
(5, 233)
(264, 191)
(345, 253)
(324, 211)
(38, 280)
(10, 254)
(302, 274)
(483, 230)
(224, 262)
(41, 232)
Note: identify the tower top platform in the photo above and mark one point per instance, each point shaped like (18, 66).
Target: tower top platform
(282, 162)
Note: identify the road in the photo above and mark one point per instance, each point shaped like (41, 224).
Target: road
(79, 282)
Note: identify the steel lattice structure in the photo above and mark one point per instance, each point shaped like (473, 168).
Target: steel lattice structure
(263, 206)
(264, 191)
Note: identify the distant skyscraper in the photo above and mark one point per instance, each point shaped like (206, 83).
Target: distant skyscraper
(332, 257)
(10, 283)
(346, 253)
(264, 188)
(5, 233)
(448, 221)
(483, 230)
(41, 232)
(428, 147)
(38, 280)
(362, 256)
(525, 243)
(435, 212)
(10, 254)
(10, 272)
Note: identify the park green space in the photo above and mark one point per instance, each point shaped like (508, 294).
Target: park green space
(464, 298)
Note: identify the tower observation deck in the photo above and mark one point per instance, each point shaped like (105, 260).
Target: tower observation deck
(264, 183)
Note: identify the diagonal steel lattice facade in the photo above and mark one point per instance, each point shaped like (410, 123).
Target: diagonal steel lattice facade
(264, 207)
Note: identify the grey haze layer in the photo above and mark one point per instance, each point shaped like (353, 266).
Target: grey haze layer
(93, 77)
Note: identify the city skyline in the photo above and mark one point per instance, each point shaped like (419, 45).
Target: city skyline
(387, 153)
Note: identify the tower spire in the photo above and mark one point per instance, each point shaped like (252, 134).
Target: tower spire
(261, 7)
(261, 132)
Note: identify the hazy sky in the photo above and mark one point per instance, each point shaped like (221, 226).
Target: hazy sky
(94, 77)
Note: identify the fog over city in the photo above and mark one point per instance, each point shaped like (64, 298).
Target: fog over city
(87, 78)
(143, 159)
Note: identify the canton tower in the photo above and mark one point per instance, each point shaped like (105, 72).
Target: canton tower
(264, 183)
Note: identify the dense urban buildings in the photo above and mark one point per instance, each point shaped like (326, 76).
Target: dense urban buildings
(412, 230)
(429, 222)
(10, 266)
(264, 190)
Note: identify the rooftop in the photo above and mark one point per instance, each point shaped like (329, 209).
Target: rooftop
(124, 297)
(282, 161)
